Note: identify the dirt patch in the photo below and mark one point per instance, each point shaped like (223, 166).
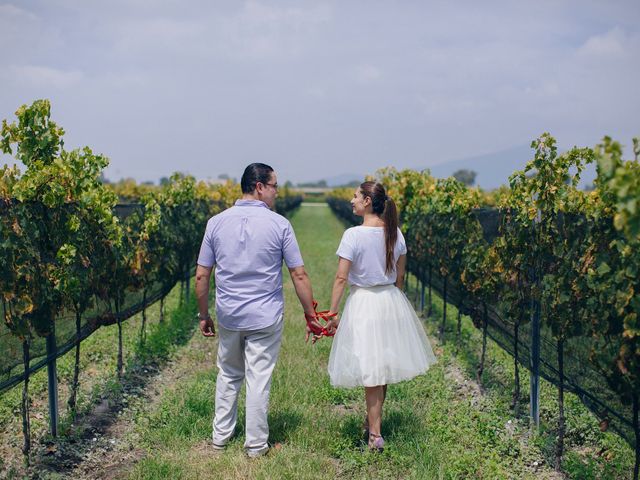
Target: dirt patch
(469, 390)
(342, 410)
(464, 386)
(102, 444)
(203, 449)
(545, 472)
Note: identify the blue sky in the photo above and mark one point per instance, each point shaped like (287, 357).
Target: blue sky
(318, 89)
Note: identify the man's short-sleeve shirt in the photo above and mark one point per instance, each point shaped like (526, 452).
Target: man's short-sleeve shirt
(247, 243)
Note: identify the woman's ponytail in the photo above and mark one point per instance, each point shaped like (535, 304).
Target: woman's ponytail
(390, 218)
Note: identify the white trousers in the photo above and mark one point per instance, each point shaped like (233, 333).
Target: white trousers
(250, 355)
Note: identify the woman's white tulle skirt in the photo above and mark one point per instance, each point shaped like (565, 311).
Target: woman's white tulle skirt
(379, 341)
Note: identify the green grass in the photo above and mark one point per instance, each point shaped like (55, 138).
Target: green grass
(434, 425)
(589, 452)
(98, 377)
(437, 426)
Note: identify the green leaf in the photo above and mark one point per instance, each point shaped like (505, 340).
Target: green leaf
(603, 268)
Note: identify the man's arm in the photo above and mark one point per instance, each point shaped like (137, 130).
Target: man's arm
(302, 285)
(203, 279)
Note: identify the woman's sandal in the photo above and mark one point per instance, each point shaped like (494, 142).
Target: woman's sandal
(376, 442)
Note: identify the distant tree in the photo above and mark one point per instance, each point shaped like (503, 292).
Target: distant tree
(468, 177)
(104, 180)
(164, 181)
(148, 182)
(223, 176)
(352, 184)
(288, 184)
(320, 184)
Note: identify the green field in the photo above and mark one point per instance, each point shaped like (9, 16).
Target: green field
(439, 425)
(436, 426)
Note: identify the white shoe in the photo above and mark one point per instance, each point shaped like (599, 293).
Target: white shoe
(259, 452)
(217, 446)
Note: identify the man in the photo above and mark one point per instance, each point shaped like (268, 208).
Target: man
(247, 244)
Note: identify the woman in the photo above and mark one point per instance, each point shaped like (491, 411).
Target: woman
(380, 339)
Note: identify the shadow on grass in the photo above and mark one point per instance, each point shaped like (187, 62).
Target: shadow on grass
(498, 382)
(282, 424)
(397, 425)
(78, 439)
(468, 350)
(164, 337)
(351, 430)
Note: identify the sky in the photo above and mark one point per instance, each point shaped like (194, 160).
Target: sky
(320, 88)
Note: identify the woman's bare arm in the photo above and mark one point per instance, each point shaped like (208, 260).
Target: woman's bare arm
(400, 268)
(339, 285)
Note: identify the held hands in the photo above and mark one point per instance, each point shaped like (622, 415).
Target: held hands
(315, 328)
(332, 325)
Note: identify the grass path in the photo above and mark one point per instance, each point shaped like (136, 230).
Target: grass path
(100, 397)
(436, 426)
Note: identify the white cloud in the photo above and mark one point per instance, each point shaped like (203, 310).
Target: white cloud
(449, 107)
(612, 43)
(122, 80)
(316, 92)
(12, 13)
(248, 31)
(154, 34)
(545, 89)
(285, 81)
(23, 34)
(256, 15)
(261, 31)
(365, 74)
(40, 76)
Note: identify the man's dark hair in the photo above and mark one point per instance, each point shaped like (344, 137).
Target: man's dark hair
(254, 173)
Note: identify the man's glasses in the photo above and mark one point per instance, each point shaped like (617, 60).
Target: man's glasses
(274, 185)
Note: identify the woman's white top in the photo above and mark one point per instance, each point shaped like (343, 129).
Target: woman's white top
(364, 247)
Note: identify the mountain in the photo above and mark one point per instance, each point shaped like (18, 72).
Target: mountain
(494, 169)
(343, 179)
